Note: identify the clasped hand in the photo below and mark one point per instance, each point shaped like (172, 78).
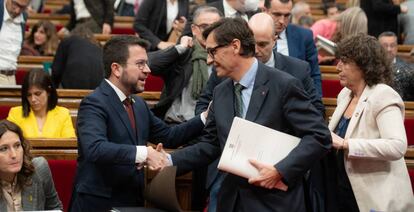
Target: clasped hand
(157, 158)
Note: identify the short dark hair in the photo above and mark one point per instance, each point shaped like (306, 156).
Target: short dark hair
(27, 170)
(267, 3)
(205, 9)
(387, 34)
(228, 29)
(40, 79)
(116, 50)
(328, 5)
(369, 56)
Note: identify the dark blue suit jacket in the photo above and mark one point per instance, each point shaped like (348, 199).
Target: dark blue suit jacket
(278, 104)
(107, 149)
(302, 46)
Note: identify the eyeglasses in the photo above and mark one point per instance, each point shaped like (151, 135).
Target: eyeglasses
(213, 51)
(141, 64)
(202, 26)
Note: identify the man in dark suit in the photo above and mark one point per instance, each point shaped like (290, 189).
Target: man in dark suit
(97, 15)
(281, 105)
(293, 40)
(113, 128)
(151, 21)
(184, 70)
(263, 29)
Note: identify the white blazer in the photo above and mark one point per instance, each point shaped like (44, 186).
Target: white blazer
(374, 161)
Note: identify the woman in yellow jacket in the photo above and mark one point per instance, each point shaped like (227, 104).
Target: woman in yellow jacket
(39, 116)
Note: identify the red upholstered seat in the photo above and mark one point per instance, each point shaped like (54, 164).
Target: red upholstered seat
(154, 83)
(411, 173)
(331, 88)
(4, 111)
(123, 31)
(20, 73)
(409, 130)
(63, 172)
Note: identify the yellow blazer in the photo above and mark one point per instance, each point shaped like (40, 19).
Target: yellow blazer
(58, 123)
(374, 161)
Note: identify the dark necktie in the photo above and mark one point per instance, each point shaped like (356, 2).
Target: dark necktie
(128, 107)
(238, 101)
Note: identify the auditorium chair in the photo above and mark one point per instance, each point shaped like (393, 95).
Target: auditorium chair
(409, 130)
(4, 111)
(63, 173)
(154, 83)
(20, 73)
(331, 88)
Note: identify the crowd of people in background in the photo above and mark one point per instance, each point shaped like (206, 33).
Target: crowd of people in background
(219, 59)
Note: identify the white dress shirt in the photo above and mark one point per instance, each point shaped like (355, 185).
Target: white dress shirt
(172, 12)
(230, 12)
(80, 10)
(142, 152)
(282, 44)
(10, 40)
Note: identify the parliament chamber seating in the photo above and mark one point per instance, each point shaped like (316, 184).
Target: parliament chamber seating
(63, 173)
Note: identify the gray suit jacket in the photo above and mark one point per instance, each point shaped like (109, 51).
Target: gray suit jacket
(41, 194)
(280, 104)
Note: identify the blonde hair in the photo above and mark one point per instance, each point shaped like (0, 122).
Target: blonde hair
(350, 22)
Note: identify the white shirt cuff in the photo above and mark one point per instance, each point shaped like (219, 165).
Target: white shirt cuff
(203, 119)
(141, 155)
(170, 162)
(180, 49)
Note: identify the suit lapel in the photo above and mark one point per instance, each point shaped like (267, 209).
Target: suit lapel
(339, 111)
(117, 105)
(260, 91)
(356, 115)
(28, 197)
(279, 62)
(291, 41)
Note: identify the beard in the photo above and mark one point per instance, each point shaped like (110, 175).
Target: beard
(130, 85)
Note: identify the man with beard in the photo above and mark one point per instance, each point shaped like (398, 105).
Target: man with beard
(113, 128)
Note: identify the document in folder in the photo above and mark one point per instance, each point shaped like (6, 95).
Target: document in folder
(248, 140)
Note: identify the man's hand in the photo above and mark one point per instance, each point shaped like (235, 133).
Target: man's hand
(268, 177)
(186, 42)
(106, 29)
(179, 24)
(156, 158)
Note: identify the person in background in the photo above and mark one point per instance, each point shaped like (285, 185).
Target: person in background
(350, 22)
(407, 23)
(331, 9)
(39, 116)
(300, 8)
(368, 132)
(161, 22)
(305, 22)
(402, 71)
(42, 41)
(382, 15)
(293, 40)
(12, 28)
(26, 182)
(97, 15)
(78, 61)
(128, 7)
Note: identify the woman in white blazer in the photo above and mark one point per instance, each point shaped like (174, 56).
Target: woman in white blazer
(368, 132)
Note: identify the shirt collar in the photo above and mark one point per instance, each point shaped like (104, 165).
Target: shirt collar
(248, 79)
(271, 61)
(7, 17)
(228, 10)
(282, 35)
(118, 91)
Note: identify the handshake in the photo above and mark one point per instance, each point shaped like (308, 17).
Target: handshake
(157, 158)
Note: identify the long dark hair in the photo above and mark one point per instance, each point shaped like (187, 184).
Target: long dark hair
(52, 40)
(27, 170)
(40, 79)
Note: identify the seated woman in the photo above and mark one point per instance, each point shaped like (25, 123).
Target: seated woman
(42, 41)
(39, 117)
(368, 131)
(26, 182)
